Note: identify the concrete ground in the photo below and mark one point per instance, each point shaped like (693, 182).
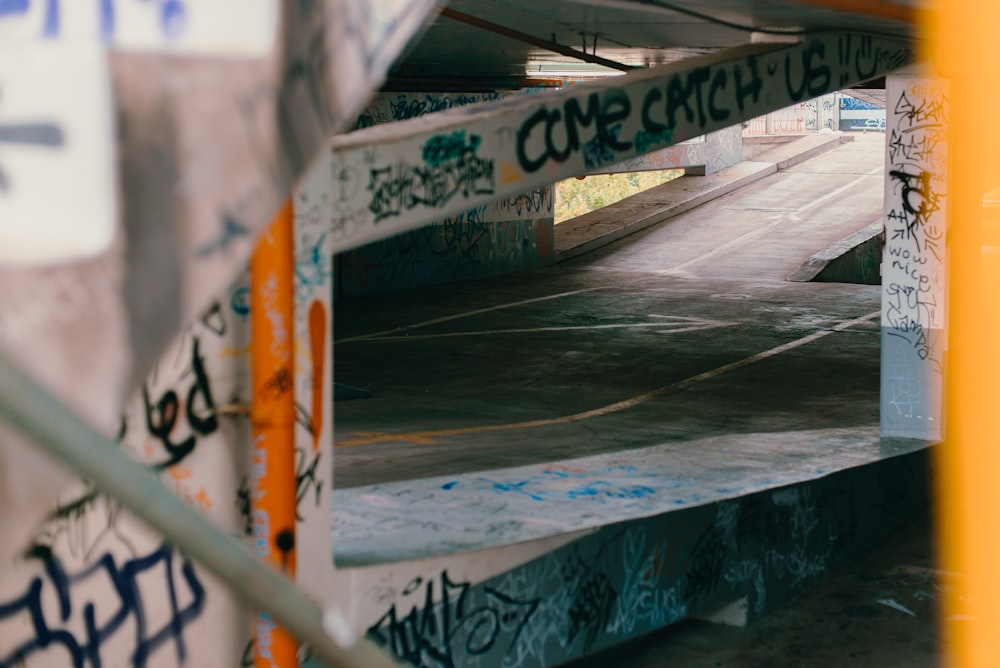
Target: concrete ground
(686, 331)
(456, 370)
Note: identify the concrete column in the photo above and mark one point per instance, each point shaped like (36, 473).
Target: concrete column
(913, 264)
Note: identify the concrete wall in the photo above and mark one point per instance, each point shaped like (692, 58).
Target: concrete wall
(508, 235)
(151, 605)
(703, 155)
(751, 554)
(459, 248)
(208, 142)
(913, 265)
(836, 111)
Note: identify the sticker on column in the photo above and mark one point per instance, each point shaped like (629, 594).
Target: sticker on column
(222, 27)
(57, 194)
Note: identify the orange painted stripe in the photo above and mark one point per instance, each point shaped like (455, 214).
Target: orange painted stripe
(318, 335)
(272, 419)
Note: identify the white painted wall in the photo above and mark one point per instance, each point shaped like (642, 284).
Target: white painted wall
(913, 264)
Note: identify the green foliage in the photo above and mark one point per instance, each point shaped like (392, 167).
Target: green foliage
(575, 197)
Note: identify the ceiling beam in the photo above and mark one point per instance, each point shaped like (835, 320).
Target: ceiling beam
(398, 176)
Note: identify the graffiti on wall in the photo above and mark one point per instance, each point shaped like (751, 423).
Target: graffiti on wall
(913, 262)
(444, 623)
(510, 233)
(386, 107)
(628, 579)
(96, 587)
(147, 601)
(145, 24)
(543, 138)
(313, 383)
(858, 114)
(461, 247)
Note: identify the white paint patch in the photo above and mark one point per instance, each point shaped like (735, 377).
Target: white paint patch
(57, 197)
(235, 27)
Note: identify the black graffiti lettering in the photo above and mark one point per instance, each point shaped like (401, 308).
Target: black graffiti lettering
(306, 465)
(918, 197)
(575, 119)
(403, 109)
(529, 164)
(927, 110)
(678, 92)
(867, 52)
(753, 85)
(616, 107)
(161, 418)
(60, 629)
(719, 82)
(815, 78)
(242, 503)
(653, 95)
(680, 89)
(462, 625)
(591, 608)
(602, 113)
(550, 144)
(402, 187)
(536, 201)
(707, 561)
(279, 383)
(213, 319)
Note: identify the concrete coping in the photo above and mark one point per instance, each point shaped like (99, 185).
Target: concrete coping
(433, 517)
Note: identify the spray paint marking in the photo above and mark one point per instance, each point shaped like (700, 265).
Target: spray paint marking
(317, 340)
(430, 437)
(435, 321)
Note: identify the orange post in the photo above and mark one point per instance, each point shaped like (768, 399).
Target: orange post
(272, 418)
(964, 51)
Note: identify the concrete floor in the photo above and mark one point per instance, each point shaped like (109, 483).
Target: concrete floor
(691, 296)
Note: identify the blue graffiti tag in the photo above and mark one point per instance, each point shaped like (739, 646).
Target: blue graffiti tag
(84, 649)
(44, 135)
(172, 16)
(313, 268)
(11, 7)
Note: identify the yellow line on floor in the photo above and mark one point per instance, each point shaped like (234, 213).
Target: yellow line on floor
(430, 437)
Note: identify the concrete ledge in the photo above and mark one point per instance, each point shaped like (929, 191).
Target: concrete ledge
(853, 259)
(435, 517)
(804, 148)
(633, 214)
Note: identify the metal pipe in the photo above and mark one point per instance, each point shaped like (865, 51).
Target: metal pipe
(35, 412)
(272, 422)
(533, 41)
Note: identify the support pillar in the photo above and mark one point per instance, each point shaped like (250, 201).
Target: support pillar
(913, 262)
